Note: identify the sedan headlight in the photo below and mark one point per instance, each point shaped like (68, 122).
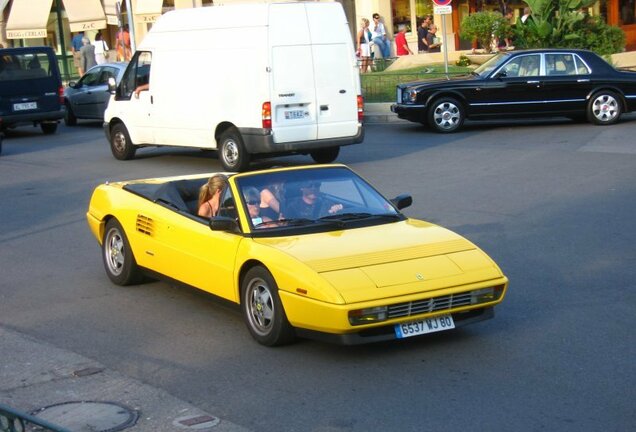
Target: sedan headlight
(409, 96)
(368, 316)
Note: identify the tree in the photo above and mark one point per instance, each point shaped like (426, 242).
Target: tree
(485, 26)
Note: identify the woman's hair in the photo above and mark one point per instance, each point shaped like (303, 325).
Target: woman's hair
(251, 194)
(98, 36)
(216, 182)
(365, 21)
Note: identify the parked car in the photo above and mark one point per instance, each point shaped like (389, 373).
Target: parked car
(30, 88)
(88, 97)
(336, 261)
(534, 83)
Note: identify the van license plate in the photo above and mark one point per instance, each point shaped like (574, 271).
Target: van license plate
(295, 114)
(428, 325)
(25, 106)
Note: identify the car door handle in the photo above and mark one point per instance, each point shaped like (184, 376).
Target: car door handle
(583, 80)
(324, 107)
(534, 82)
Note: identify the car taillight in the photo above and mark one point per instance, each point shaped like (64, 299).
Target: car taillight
(60, 93)
(266, 115)
(360, 108)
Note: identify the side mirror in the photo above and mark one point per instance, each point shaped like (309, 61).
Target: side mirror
(72, 84)
(402, 201)
(222, 223)
(112, 85)
(501, 74)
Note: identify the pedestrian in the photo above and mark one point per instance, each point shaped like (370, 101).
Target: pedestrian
(364, 45)
(527, 14)
(434, 43)
(379, 36)
(101, 49)
(124, 52)
(422, 44)
(76, 46)
(401, 45)
(87, 55)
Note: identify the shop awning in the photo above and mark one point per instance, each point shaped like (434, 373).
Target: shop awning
(85, 15)
(28, 19)
(110, 8)
(149, 9)
(3, 4)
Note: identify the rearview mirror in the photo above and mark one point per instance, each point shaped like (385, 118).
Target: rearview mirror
(222, 223)
(112, 85)
(402, 201)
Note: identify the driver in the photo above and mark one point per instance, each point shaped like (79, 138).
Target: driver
(311, 204)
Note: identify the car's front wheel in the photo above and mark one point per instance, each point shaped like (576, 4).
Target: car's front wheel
(48, 128)
(120, 144)
(119, 261)
(326, 155)
(262, 309)
(446, 115)
(231, 150)
(604, 108)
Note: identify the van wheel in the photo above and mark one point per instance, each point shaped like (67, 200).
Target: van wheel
(232, 153)
(48, 128)
(327, 155)
(69, 116)
(120, 143)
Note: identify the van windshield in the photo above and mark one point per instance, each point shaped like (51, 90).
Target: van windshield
(24, 66)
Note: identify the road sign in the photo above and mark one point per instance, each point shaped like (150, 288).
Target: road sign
(442, 2)
(443, 10)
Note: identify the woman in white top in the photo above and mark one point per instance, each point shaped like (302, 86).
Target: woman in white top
(364, 45)
(101, 49)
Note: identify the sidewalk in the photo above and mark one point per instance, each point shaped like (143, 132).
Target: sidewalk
(379, 113)
(35, 375)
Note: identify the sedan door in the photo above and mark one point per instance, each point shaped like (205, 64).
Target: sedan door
(81, 96)
(567, 83)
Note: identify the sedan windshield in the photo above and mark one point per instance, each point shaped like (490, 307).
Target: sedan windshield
(493, 63)
(319, 199)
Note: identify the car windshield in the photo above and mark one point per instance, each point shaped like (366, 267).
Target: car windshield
(492, 64)
(316, 199)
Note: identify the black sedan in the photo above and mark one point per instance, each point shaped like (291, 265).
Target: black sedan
(534, 83)
(88, 97)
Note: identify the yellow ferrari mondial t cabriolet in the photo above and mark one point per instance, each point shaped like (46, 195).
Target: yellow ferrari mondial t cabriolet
(309, 251)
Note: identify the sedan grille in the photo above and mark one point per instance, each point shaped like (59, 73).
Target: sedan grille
(429, 305)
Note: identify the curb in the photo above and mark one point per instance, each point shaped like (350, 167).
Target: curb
(380, 113)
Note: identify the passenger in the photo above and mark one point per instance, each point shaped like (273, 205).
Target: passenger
(271, 197)
(253, 202)
(310, 204)
(210, 195)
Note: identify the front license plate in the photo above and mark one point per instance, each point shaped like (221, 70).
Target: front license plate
(295, 114)
(25, 106)
(428, 325)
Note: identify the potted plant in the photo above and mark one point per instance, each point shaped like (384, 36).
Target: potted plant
(485, 27)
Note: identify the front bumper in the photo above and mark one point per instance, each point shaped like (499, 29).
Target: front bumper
(414, 113)
(261, 141)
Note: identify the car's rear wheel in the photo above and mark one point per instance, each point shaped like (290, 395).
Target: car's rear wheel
(119, 261)
(69, 116)
(604, 108)
(326, 155)
(232, 153)
(120, 144)
(262, 309)
(48, 128)
(446, 115)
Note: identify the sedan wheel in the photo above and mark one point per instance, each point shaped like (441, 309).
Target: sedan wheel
(119, 261)
(604, 108)
(262, 309)
(446, 115)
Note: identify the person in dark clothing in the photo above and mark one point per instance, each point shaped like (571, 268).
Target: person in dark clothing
(422, 31)
(310, 204)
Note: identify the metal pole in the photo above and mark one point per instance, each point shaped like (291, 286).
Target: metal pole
(58, 10)
(444, 44)
(131, 27)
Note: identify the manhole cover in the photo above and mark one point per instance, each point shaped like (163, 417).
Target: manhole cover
(88, 416)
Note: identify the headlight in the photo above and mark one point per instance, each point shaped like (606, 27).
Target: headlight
(409, 96)
(485, 295)
(368, 316)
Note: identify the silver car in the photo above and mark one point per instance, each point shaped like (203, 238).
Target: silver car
(88, 97)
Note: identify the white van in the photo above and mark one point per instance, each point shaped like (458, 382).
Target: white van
(246, 80)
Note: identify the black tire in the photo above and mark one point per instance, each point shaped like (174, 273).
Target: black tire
(48, 128)
(231, 151)
(69, 116)
(120, 144)
(326, 155)
(604, 108)
(262, 309)
(446, 115)
(118, 258)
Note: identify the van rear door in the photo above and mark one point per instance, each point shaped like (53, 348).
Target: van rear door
(293, 94)
(335, 69)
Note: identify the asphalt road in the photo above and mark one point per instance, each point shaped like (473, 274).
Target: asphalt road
(553, 202)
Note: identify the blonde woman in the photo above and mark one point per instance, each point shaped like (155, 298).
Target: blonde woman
(364, 45)
(210, 195)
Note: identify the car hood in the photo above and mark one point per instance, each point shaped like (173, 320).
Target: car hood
(389, 260)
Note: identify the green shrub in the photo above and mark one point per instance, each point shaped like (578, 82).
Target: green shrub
(483, 26)
(462, 61)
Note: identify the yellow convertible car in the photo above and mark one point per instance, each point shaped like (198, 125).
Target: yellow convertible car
(309, 251)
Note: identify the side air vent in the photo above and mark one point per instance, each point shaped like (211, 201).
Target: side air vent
(145, 225)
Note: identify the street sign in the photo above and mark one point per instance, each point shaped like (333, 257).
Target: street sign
(442, 10)
(442, 2)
